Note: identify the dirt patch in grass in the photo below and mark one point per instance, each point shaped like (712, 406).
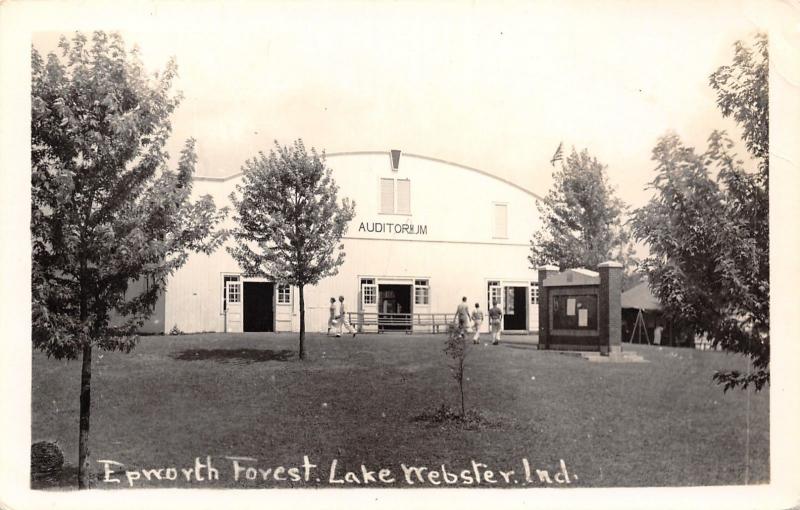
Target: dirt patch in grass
(65, 477)
(446, 417)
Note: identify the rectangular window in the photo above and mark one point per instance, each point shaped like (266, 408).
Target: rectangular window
(370, 294)
(403, 196)
(225, 279)
(494, 294)
(534, 293)
(234, 292)
(501, 221)
(284, 294)
(387, 196)
(422, 292)
(395, 196)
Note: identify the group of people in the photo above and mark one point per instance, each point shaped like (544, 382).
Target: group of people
(464, 319)
(338, 318)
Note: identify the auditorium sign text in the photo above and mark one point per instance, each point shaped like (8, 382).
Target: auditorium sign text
(393, 228)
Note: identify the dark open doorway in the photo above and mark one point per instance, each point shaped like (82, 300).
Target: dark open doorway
(393, 299)
(515, 315)
(258, 306)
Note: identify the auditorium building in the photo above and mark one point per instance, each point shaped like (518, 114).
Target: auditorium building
(425, 233)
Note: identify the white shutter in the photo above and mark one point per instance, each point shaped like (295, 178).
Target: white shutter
(387, 196)
(501, 221)
(403, 196)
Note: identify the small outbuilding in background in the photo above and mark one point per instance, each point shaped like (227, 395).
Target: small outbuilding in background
(644, 320)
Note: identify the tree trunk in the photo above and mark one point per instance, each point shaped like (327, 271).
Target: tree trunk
(463, 412)
(85, 413)
(302, 324)
(461, 386)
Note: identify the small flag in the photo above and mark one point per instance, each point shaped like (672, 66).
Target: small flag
(558, 154)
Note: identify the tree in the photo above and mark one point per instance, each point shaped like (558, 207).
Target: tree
(290, 222)
(456, 349)
(743, 93)
(105, 209)
(707, 226)
(582, 219)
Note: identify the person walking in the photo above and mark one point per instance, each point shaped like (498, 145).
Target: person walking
(332, 316)
(477, 320)
(461, 318)
(343, 321)
(495, 321)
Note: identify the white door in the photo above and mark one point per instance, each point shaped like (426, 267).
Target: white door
(496, 293)
(508, 308)
(369, 307)
(233, 310)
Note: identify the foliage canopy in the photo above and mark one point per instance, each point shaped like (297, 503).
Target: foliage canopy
(290, 221)
(707, 226)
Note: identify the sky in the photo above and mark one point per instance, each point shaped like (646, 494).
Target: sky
(497, 88)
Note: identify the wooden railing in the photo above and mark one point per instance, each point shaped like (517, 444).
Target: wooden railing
(408, 322)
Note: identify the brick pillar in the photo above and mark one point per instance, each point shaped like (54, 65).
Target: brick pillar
(610, 308)
(544, 305)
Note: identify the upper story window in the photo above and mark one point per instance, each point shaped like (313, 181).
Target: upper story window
(387, 196)
(500, 221)
(284, 294)
(395, 196)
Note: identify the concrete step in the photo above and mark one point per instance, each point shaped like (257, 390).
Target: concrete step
(619, 357)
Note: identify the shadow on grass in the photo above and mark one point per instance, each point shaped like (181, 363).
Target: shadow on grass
(64, 478)
(239, 356)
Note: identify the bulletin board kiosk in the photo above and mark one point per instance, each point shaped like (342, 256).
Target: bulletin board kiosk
(580, 309)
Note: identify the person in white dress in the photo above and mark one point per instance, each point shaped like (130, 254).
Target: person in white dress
(332, 317)
(343, 321)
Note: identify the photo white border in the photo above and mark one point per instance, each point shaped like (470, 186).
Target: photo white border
(19, 19)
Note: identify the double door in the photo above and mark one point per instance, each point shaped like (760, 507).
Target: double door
(513, 301)
(249, 306)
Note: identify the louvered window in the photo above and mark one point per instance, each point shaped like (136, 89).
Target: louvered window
(395, 196)
(387, 196)
(403, 196)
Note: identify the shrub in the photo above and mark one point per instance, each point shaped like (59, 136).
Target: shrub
(46, 458)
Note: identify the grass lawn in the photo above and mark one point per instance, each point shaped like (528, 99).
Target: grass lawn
(662, 423)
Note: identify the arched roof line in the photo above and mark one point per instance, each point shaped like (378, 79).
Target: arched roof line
(406, 154)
